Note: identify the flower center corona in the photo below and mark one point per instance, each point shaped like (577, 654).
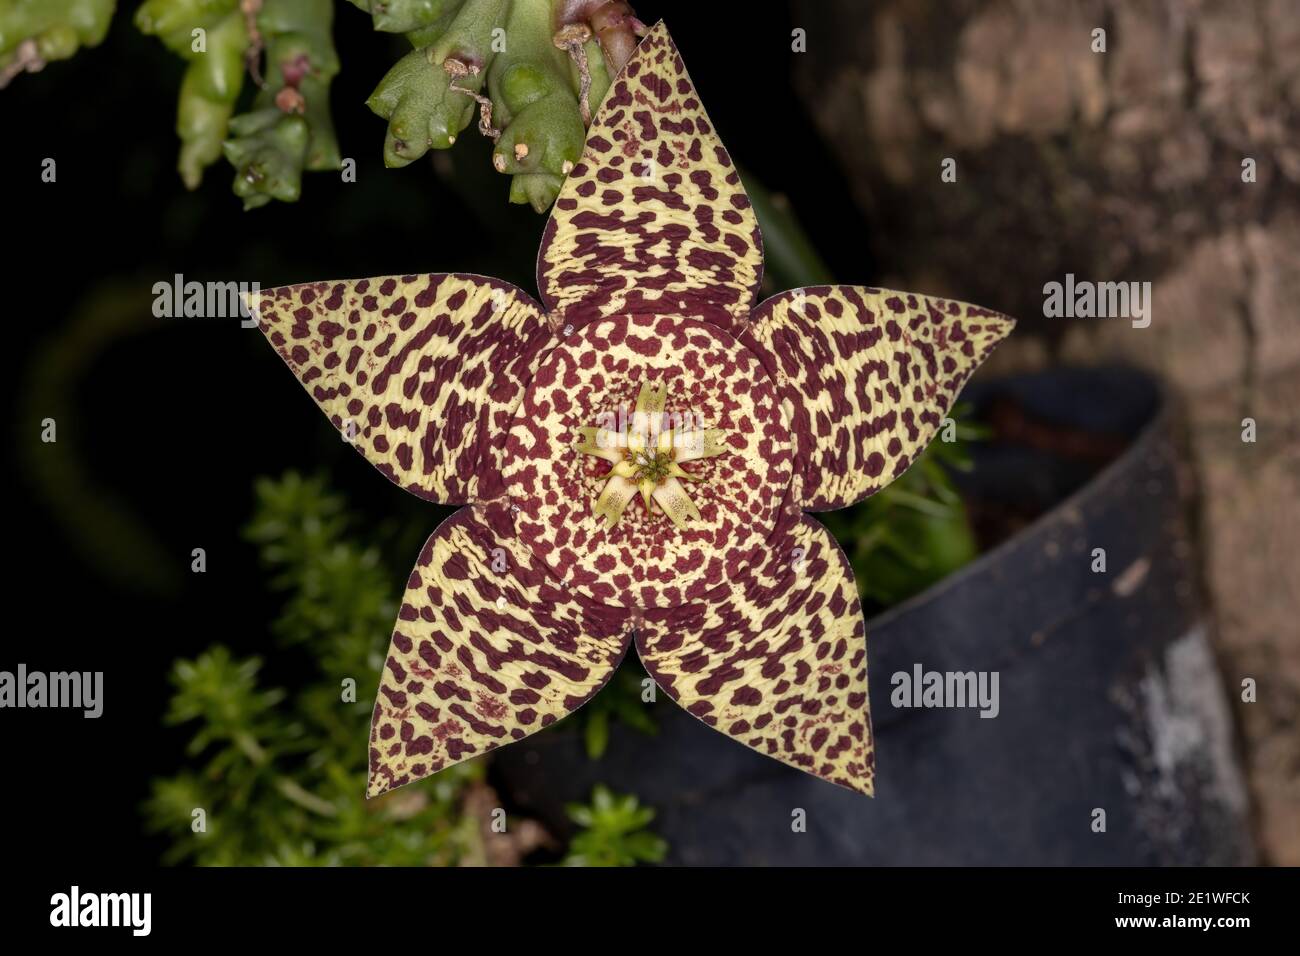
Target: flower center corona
(646, 452)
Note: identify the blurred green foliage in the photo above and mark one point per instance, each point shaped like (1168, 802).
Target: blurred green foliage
(280, 773)
(916, 531)
(622, 699)
(614, 832)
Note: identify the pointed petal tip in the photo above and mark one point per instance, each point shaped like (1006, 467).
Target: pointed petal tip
(446, 632)
(485, 363)
(862, 786)
(1002, 324)
(376, 783)
(657, 32)
(807, 330)
(569, 272)
(866, 786)
(817, 598)
(867, 790)
(996, 329)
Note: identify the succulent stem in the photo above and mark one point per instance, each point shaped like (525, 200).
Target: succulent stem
(212, 36)
(544, 65)
(35, 32)
(534, 71)
(536, 106)
(430, 95)
(290, 127)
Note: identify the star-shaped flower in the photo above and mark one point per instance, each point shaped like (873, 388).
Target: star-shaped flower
(549, 420)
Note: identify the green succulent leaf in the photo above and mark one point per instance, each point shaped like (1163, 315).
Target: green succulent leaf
(542, 130)
(422, 111)
(404, 16)
(209, 89)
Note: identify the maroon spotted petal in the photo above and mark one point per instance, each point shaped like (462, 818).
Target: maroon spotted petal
(488, 648)
(867, 376)
(420, 373)
(653, 218)
(776, 657)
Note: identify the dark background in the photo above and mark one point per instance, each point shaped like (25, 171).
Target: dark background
(173, 418)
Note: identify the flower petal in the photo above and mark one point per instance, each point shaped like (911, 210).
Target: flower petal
(614, 499)
(777, 657)
(866, 377)
(601, 442)
(671, 496)
(653, 218)
(420, 372)
(699, 443)
(488, 648)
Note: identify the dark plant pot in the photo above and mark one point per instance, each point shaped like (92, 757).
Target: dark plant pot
(1110, 698)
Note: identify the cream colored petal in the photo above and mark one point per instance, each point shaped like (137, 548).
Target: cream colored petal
(412, 369)
(777, 658)
(614, 499)
(867, 376)
(601, 443)
(488, 648)
(651, 399)
(699, 443)
(647, 490)
(677, 504)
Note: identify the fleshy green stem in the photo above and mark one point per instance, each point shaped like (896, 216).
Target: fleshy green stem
(290, 127)
(547, 65)
(429, 96)
(542, 131)
(34, 32)
(212, 36)
(423, 21)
